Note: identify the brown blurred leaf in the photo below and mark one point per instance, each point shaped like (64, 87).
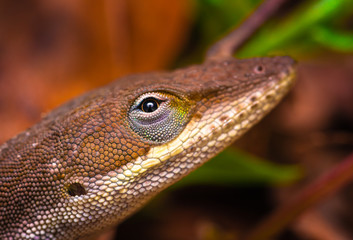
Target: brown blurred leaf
(51, 51)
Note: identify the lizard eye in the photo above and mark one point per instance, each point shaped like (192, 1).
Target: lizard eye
(158, 116)
(149, 105)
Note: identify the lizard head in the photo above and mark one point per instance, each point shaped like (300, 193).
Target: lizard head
(97, 159)
(147, 131)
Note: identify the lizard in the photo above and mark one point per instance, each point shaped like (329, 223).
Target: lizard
(94, 161)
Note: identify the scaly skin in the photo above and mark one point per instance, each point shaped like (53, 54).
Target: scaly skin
(98, 158)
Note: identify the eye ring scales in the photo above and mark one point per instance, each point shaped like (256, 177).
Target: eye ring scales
(158, 116)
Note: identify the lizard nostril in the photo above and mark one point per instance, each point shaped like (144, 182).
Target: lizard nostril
(259, 69)
(76, 189)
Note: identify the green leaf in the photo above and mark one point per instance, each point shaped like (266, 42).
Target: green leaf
(295, 28)
(236, 167)
(335, 40)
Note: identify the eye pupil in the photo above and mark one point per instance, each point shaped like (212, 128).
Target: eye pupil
(150, 105)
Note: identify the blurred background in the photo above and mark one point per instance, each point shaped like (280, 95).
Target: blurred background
(52, 51)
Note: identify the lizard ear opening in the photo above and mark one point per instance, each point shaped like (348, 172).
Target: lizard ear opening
(76, 189)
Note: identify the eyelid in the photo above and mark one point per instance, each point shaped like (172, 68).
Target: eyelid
(154, 98)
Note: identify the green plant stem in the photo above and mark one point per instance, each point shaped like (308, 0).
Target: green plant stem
(311, 195)
(227, 45)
